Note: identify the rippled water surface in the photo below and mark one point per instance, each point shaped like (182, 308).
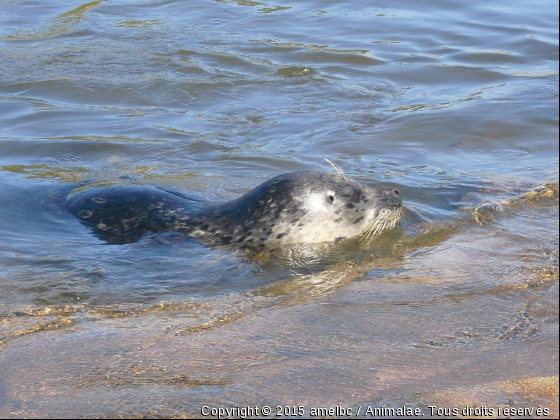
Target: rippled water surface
(455, 103)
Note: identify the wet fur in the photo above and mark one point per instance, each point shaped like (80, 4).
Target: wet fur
(300, 207)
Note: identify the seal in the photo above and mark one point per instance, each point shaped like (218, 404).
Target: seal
(298, 207)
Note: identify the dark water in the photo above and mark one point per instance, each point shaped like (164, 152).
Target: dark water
(455, 103)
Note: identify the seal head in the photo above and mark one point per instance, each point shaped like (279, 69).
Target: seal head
(312, 207)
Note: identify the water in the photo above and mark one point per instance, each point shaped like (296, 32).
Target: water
(453, 103)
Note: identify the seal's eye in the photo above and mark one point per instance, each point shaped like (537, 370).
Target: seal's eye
(331, 198)
(357, 197)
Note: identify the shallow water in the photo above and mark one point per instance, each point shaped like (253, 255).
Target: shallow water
(453, 103)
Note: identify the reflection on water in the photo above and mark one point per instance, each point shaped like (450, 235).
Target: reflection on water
(453, 103)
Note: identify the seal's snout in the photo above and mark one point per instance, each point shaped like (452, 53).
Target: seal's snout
(393, 199)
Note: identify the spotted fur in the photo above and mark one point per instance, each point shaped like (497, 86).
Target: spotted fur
(300, 207)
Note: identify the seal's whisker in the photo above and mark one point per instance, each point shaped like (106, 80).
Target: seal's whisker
(385, 221)
(336, 167)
